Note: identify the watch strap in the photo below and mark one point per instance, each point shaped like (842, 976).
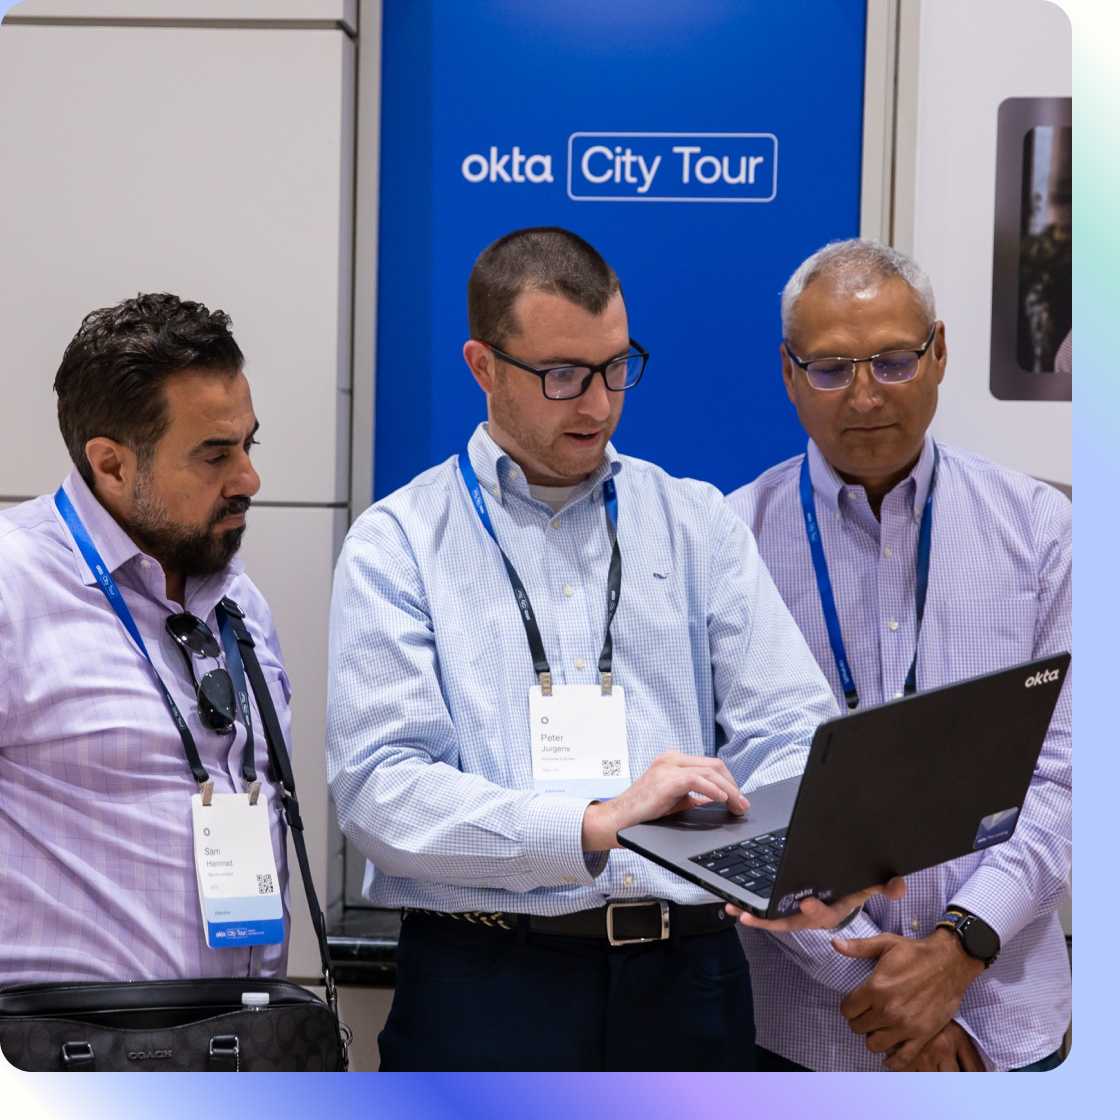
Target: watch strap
(957, 921)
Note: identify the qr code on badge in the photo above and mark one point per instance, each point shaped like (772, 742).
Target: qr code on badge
(612, 767)
(265, 885)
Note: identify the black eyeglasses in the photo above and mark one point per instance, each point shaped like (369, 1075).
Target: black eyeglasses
(892, 367)
(565, 383)
(215, 691)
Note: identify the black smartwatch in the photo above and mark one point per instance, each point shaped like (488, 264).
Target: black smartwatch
(977, 938)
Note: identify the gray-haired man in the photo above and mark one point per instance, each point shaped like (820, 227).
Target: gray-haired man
(970, 970)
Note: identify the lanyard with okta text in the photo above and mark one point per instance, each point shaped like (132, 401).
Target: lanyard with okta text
(824, 583)
(525, 607)
(116, 600)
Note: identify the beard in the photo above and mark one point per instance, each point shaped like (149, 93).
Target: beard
(545, 449)
(185, 549)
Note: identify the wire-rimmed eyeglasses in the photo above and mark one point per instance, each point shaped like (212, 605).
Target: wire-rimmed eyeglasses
(891, 367)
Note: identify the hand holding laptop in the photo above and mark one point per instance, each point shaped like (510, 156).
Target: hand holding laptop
(880, 797)
(814, 914)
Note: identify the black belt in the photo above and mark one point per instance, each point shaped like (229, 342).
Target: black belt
(618, 923)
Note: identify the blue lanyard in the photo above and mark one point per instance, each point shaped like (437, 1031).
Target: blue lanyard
(112, 592)
(824, 583)
(525, 607)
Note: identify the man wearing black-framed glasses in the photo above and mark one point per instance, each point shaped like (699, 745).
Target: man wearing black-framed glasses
(930, 565)
(534, 644)
(117, 705)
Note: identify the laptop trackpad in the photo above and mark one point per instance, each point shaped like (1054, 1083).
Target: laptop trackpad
(703, 818)
(771, 807)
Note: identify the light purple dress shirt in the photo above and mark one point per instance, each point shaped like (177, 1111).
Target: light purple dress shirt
(999, 593)
(97, 878)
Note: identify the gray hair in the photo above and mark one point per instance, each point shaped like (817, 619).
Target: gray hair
(855, 265)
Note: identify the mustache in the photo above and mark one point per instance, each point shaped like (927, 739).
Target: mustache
(231, 508)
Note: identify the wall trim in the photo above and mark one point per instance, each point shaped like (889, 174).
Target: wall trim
(210, 24)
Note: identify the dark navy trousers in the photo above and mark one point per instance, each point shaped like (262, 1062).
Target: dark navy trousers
(481, 999)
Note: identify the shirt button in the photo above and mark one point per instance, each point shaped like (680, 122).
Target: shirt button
(888, 552)
(580, 663)
(569, 590)
(627, 880)
(898, 695)
(915, 924)
(555, 523)
(892, 625)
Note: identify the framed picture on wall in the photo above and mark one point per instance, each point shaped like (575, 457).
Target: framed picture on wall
(1032, 304)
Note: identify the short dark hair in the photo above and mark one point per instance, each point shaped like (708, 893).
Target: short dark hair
(110, 382)
(542, 259)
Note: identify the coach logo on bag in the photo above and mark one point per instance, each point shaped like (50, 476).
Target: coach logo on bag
(148, 1055)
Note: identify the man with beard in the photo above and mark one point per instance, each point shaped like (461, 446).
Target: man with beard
(522, 632)
(109, 592)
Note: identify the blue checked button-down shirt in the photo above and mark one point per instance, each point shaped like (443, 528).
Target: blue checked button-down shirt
(999, 593)
(428, 727)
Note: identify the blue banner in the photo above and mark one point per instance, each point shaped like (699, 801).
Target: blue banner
(704, 148)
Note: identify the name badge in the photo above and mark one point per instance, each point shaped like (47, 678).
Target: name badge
(238, 887)
(578, 739)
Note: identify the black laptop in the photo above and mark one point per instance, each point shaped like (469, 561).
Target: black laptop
(886, 791)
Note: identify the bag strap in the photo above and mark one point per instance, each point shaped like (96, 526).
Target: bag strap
(282, 771)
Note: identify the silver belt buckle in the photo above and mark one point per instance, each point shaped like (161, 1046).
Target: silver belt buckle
(613, 906)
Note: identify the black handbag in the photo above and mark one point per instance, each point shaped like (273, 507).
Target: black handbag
(220, 1024)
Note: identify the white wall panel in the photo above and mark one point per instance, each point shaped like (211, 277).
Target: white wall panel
(216, 164)
(972, 57)
(344, 11)
(290, 555)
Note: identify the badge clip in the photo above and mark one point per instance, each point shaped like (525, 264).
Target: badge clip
(254, 792)
(606, 680)
(545, 679)
(207, 790)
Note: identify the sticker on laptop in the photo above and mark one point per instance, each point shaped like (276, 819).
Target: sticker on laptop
(791, 903)
(995, 828)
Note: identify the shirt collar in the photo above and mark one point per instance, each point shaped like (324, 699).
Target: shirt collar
(499, 473)
(829, 486)
(113, 543)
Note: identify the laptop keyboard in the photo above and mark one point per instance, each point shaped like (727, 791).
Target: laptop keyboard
(751, 864)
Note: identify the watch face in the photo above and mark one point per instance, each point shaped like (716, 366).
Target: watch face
(980, 940)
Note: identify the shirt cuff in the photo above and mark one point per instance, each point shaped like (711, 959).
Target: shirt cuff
(814, 952)
(554, 842)
(998, 899)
